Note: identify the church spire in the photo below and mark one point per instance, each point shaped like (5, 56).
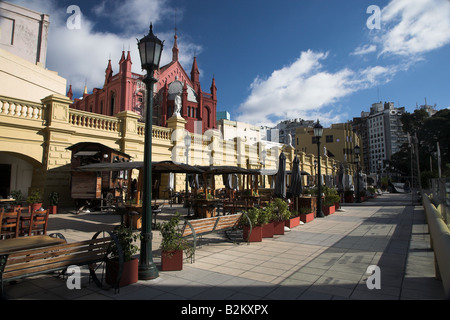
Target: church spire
(70, 93)
(175, 47)
(195, 74)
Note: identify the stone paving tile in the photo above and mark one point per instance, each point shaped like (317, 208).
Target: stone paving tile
(324, 259)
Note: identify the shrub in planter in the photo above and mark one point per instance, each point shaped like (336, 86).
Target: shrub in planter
(35, 199)
(348, 196)
(18, 197)
(255, 234)
(127, 240)
(306, 214)
(53, 202)
(173, 245)
(293, 221)
(279, 214)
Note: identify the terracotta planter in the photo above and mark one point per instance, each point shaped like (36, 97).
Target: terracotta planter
(337, 206)
(327, 210)
(267, 230)
(256, 234)
(35, 206)
(278, 227)
(52, 209)
(348, 199)
(293, 222)
(172, 261)
(306, 217)
(129, 272)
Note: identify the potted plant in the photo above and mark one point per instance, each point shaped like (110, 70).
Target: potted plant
(255, 233)
(280, 214)
(331, 196)
(266, 220)
(173, 245)
(306, 214)
(54, 200)
(35, 199)
(348, 196)
(127, 239)
(293, 221)
(18, 197)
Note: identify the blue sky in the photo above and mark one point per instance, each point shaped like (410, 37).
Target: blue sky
(272, 60)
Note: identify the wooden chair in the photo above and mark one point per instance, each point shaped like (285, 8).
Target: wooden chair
(10, 223)
(38, 222)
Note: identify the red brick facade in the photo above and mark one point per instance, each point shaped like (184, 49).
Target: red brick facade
(126, 91)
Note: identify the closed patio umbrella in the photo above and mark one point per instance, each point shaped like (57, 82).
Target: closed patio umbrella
(296, 180)
(227, 180)
(193, 182)
(280, 182)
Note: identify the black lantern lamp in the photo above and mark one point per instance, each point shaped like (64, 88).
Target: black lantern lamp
(318, 132)
(150, 49)
(357, 152)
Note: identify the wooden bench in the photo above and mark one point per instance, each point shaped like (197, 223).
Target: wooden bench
(17, 264)
(198, 227)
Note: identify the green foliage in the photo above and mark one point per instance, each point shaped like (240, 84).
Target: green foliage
(35, 196)
(17, 196)
(172, 238)
(53, 198)
(253, 215)
(331, 196)
(278, 210)
(305, 210)
(127, 239)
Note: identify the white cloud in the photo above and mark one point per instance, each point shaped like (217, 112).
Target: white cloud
(413, 27)
(365, 49)
(81, 56)
(132, 15)
(303, 89)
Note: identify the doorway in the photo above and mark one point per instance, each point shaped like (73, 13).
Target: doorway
(5, 180)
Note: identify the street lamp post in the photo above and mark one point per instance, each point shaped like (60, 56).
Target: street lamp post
(318, 131)
(187, 145)
(150, 49)
(358, 195)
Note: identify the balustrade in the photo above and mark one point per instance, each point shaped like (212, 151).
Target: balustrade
(20, 109)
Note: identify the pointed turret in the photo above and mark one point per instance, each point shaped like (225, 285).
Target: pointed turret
(108, 72)
(70, 93)
(175, 50)
(214, 89)
(195, 75)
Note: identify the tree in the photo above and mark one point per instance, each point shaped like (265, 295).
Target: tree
(429, 131)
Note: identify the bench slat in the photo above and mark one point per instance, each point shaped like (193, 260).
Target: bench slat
(26, 256)
(56, 257)
(57, 264)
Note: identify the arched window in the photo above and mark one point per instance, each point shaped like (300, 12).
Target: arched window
(113, 103)
(208, 117)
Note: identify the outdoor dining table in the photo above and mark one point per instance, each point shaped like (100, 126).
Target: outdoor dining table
(206, 208)
(25, 243)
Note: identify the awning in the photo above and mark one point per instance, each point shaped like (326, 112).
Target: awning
(162, 167)
(86, 153)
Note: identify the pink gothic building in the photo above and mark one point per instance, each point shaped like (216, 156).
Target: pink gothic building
(126, 91)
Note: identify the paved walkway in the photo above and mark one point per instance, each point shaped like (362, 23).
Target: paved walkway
(324, 259)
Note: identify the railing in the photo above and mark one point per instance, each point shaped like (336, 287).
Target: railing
(440, 189)
(157, 132)
(94, 121)
(20, 108)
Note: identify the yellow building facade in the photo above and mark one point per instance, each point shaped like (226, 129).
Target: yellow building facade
(338, 142)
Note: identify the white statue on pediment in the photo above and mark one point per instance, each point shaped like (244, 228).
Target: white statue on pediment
(178, 105)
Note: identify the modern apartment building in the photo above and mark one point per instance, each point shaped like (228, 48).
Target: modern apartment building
(382, 134)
